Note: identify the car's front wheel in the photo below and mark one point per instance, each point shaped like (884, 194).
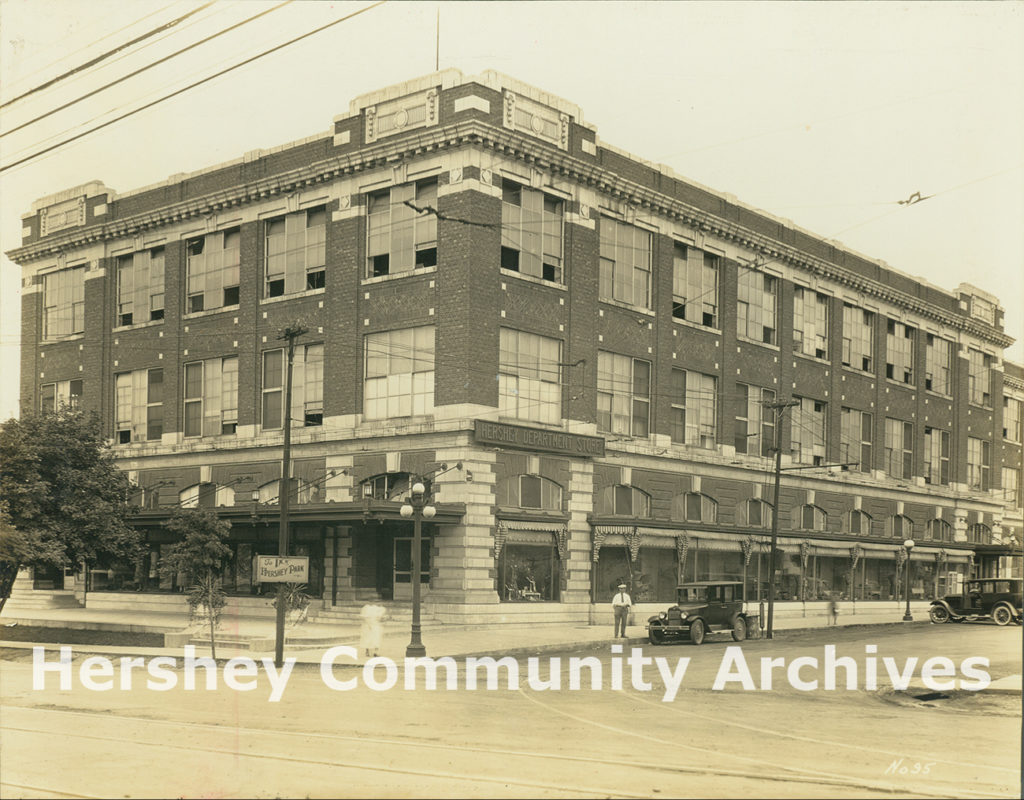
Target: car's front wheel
(739, 629)
(1002, 615)
(697, 631)
(656, 636)
(939, 614)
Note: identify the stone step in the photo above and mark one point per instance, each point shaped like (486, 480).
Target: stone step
(41, 600)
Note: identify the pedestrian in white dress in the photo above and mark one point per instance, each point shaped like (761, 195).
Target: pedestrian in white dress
(372, 632)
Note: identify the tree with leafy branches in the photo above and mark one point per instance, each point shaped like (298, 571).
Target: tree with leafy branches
(201, 556)
(65, 497)
(15, 549)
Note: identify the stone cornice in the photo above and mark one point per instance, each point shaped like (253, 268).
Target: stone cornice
(1013, 382)
(530, 151)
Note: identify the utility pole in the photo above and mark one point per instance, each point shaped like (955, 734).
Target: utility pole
(778, 407)
(291, 333)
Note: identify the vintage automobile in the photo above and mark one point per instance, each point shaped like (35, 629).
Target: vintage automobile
(701, 606)
(998, 599)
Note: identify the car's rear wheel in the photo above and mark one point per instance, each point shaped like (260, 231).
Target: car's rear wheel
(939, 614)
(697, 631)
(1002, 615)
(656, 636)
(739, 629)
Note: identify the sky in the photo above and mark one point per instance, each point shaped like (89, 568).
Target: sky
(826, 114)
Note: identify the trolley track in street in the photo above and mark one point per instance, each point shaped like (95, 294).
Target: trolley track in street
(795, 774)
(789, 775)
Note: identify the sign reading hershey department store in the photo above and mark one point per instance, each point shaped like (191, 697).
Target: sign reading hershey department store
(569, 444)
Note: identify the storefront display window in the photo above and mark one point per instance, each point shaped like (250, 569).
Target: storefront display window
(653, 577)
(528, 572)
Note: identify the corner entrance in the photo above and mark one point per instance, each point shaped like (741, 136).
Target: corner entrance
(382, 560)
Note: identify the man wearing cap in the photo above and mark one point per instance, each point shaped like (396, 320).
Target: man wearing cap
(621, 604)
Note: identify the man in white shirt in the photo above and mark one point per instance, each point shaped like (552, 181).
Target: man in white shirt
(621, 604)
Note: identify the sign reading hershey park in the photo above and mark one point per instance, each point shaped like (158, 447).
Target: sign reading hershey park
(570, 444)
(275, 569)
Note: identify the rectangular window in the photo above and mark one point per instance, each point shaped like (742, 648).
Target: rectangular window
(693, 408)
(899, 352)
(140, 287)
(858, 338)
(938, 356)
(855, 439)
(695, 286)
(296, 249)
(979, 378)
(1011, 419)
(755, 424)
(623, 394)
(63, 303)
(400, 239)
(625, 265)
(529, 376)
(307, 386)
(212, 270)
(139, 402)
(899, 448)
(979, 461)
(756, 306)
(399, 373)
(807, 432)
(1011, 487)
(61, 393)
(211, 397)
(936, 456)
(810, 323)
(531, 232)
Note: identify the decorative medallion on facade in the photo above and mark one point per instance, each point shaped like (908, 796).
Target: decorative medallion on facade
(69, 214)
(526, 116)
(404, 114)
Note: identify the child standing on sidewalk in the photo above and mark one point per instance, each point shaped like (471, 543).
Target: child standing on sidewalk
(372, 632)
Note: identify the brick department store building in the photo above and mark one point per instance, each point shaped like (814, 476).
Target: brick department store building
(576, 348)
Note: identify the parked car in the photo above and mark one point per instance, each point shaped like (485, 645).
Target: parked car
(702, 606)
(998, 599)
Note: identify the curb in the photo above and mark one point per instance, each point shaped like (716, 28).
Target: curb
(514, 652)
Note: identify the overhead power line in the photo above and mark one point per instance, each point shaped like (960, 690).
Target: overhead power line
(147, 67)
(190, 86)
(94, 61)
(66, 56)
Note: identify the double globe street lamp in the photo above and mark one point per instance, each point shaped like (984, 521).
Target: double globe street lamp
(418, 507)
(909, 545)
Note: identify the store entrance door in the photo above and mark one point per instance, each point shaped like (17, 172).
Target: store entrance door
(402, 571)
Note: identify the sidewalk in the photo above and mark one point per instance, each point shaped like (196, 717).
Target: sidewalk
(308, 642)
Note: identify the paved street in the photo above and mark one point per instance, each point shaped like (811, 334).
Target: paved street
(611, 743)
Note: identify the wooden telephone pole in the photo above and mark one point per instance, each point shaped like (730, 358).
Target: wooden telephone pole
(778, 408)
(291, 333)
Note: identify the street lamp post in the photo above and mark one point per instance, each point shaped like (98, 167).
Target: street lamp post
(909, 545)
(417, 507)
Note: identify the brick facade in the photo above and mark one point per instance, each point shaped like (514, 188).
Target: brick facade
(467, 298)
